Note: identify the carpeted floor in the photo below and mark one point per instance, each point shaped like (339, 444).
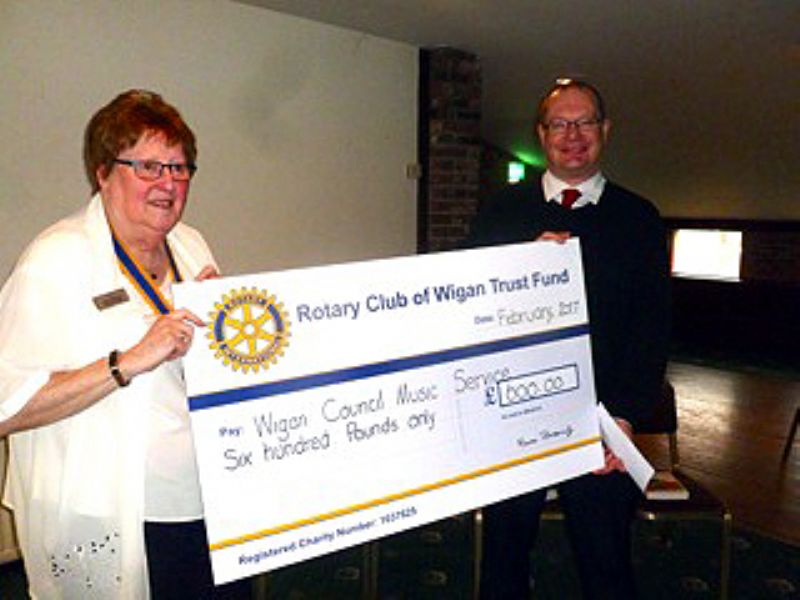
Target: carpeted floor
(673, 561)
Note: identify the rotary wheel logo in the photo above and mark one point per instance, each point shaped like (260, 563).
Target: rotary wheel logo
(249, 330)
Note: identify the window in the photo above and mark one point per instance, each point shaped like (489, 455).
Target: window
(707, 254)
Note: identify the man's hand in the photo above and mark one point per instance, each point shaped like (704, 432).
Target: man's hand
(613, 463)
(554, 236)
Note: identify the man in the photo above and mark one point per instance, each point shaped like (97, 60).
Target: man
(626, 268)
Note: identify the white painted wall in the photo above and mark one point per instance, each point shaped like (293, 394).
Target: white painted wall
(304, 129)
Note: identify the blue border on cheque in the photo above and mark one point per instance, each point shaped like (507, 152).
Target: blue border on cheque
(264, 390)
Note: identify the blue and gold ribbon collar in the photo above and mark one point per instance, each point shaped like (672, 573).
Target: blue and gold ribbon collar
(131, 268)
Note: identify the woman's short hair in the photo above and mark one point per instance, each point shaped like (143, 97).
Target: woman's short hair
(565, 84)
(122, 122)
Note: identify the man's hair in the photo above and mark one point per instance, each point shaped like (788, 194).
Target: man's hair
(565, 84)
(121, 124)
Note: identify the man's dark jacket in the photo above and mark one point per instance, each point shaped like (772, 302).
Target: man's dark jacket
(625, 262)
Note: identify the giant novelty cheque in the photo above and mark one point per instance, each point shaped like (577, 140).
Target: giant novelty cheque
(335, 405)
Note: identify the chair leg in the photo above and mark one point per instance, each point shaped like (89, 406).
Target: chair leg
(790, 439)
(369, 564)
(725, 555)
(477, 553)
(674, 452)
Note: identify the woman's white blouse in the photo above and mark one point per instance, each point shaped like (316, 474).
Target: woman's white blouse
(81, 488)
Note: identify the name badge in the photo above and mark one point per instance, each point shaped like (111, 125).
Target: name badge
(104, 301)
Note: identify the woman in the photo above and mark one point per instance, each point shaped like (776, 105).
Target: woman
(90, 376)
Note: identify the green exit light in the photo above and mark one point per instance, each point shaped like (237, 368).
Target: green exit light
(516, 172)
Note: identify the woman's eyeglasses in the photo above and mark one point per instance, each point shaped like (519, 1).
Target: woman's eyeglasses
(150, 170)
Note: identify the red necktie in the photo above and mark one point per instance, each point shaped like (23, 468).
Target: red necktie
(569, 196)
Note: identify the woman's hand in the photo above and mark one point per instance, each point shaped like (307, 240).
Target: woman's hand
(207, 272)
(69, 392)
(170, 337)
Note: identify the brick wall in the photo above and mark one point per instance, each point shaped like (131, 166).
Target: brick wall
(450, 115)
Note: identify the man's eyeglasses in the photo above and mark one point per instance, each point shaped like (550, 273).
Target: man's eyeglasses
(150, 170)
(561, 126)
